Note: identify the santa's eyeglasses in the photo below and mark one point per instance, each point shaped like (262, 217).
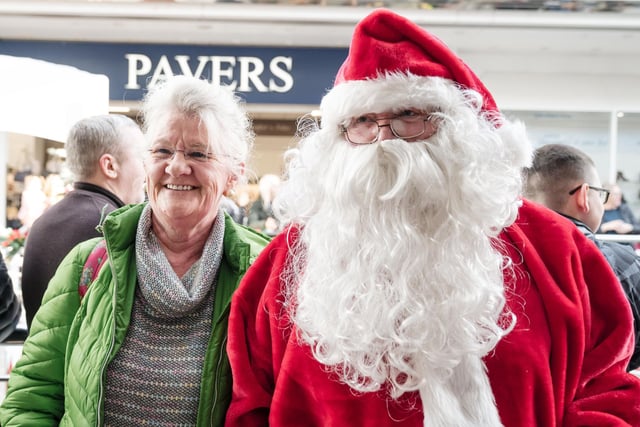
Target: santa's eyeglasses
(406, 125)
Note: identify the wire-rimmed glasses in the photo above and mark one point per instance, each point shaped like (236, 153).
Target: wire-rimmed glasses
(603, 192)
(407, 125)
(166, 153)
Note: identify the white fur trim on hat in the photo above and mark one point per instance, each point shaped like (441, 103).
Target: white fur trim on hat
(394, 92)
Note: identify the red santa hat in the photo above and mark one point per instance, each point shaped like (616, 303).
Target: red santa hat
(387, 47)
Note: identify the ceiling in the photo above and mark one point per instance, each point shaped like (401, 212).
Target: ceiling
(499, 44)
(314, 26)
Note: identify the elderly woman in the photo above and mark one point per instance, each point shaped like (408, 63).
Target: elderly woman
(146, 344)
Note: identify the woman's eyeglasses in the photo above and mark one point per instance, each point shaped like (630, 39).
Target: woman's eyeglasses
(166, 154)
(603, 192)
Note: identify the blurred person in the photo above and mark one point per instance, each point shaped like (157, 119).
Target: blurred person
(12, 206)
(54, 189)
(10, 308)
(231, 207)
(413, 285)
(618, 217)
(146, 344)
(242, 197)
(33, 200)
(566, 180)
(104, 154)
(261, 215)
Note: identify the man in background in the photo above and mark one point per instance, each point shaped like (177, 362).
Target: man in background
(565, 180)
(104, 153)
(618, 217)
(261, 215)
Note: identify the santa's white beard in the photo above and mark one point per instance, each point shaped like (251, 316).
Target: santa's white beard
(399, 283)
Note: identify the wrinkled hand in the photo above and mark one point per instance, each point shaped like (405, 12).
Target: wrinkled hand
(617, 226)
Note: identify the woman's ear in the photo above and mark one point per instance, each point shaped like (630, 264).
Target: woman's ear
(232, 180)
(231, 183)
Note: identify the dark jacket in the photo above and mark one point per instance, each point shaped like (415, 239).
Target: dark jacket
(10, 308)
(62, 226)
(626, 264)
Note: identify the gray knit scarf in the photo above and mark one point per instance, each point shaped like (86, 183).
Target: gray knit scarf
(155, 377)
(161, 287)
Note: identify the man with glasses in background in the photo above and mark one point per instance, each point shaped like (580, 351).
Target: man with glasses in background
(557, 168)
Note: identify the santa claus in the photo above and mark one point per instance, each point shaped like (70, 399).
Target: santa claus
(414, 286)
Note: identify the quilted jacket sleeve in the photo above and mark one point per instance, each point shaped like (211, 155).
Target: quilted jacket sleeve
(35, 394)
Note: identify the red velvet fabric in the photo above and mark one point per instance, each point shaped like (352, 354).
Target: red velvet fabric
(562, 365)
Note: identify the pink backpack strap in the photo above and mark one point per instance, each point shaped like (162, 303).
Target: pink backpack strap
(92, 266)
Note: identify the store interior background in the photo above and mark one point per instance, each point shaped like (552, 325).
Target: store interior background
(568, 69)
(589, 131)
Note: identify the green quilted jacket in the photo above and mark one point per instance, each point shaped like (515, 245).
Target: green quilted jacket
(59, 380)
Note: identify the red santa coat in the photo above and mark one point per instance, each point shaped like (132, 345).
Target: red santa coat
(563, 364)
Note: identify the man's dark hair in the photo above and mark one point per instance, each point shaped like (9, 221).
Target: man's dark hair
(556, 168)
